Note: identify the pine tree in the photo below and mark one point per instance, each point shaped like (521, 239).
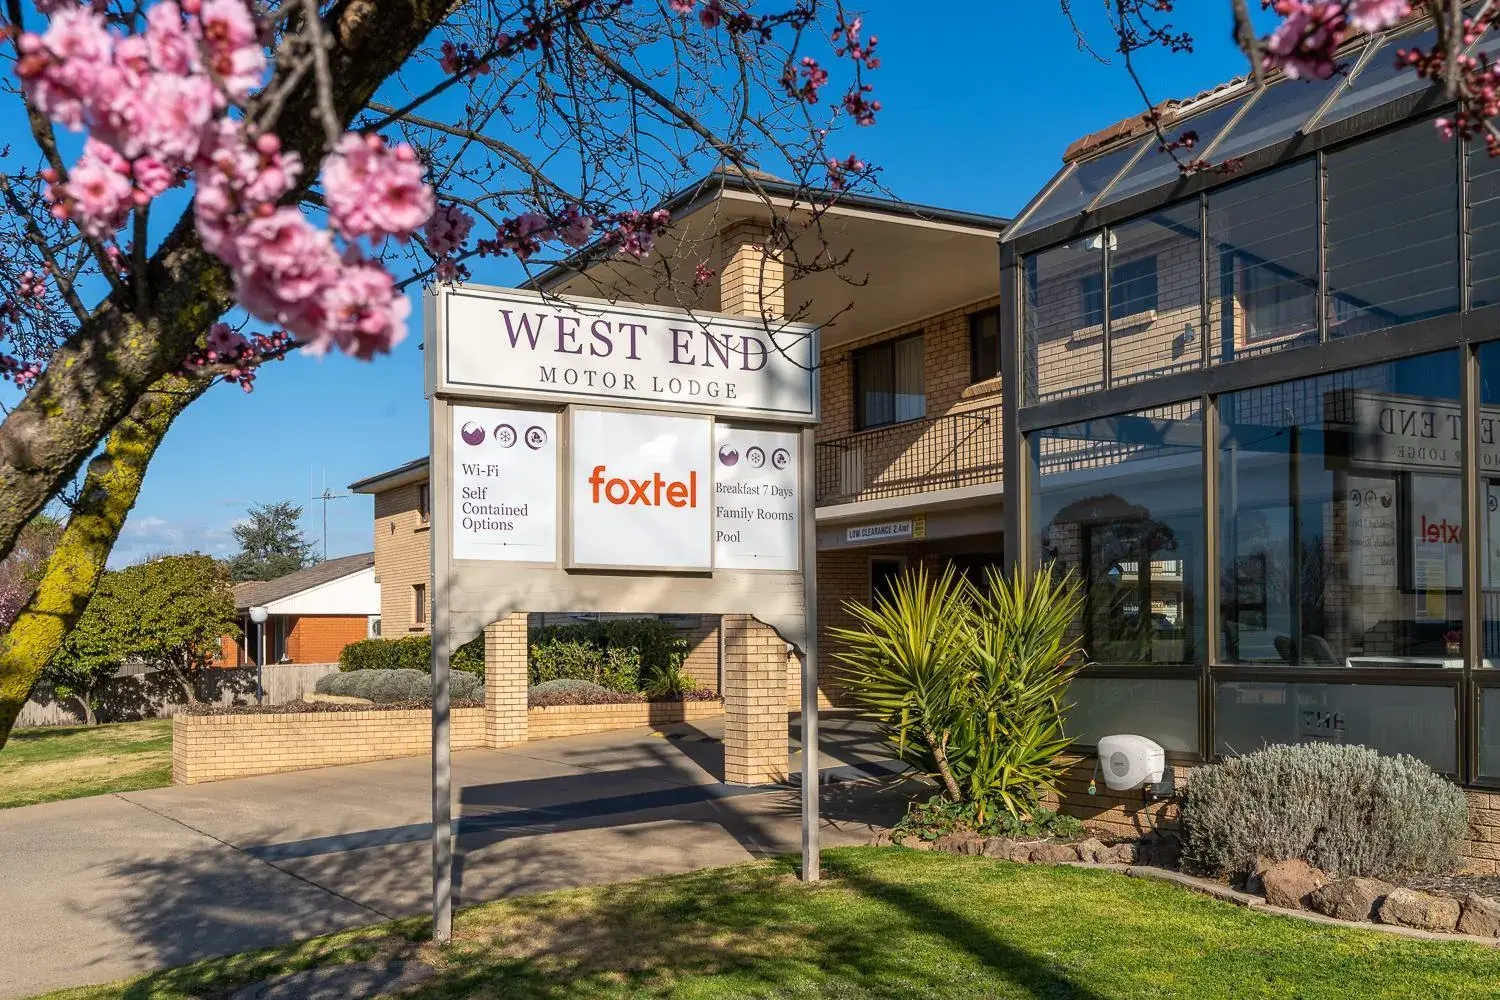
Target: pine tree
(271, 543)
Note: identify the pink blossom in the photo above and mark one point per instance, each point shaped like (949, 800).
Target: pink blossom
(151, 176)
(98, 194)
(170, 46)
(683, 7)
(233, 41)
(375, 190)
(60, 69)
(576, 227)
(447, 230)
(224, 341)
(1303, 45)
(1377, 15)
(286, 262)
(364, 313)
(174, 111)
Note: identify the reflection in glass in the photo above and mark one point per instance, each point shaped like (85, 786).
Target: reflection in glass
(1381, 80)
(1165, 710)
(1119, 502)
(1392, 230)
(1065, 319)
(1282, 109)
(1421, 721)
(1155, 304)
(1489, 500)
(1263, 263)
(1340, 535)
(1489, 732)
(1484, 226)
(1156, 166)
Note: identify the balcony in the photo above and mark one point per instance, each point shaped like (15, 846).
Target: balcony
(919, 456)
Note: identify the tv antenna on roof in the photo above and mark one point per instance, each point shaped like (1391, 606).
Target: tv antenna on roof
(325, 496)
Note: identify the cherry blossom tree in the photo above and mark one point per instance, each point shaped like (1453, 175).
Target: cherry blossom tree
(1305, 44)
(208, 185)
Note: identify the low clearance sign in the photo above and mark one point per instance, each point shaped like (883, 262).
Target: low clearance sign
(520, 345)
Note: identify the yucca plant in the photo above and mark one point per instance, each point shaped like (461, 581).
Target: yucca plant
(905, 666)
(969, 685)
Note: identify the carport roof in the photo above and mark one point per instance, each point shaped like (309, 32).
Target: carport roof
(254, 593)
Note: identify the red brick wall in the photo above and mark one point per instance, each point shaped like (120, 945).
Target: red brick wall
(321, 638)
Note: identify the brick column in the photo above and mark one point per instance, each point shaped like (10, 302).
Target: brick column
(752, 281)
(505, 682)
(755, 716)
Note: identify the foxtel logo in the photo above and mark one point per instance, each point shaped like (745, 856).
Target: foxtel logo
(646, 492)
(1440, 531)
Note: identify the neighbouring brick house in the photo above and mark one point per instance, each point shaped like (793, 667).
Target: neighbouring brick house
(312, 613)
(908, 451)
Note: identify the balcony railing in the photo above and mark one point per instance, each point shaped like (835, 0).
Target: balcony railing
(960, 449)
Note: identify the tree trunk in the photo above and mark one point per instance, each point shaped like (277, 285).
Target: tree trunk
(940, 755)
(73, 570)
(88, 708)
(96, 378)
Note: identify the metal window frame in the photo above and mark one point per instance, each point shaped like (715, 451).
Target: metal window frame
(975, 376)
(890, 347)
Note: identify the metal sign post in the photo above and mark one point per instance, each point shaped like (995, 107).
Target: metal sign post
(592, 457)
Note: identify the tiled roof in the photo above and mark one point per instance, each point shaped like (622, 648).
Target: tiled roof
(257, 592)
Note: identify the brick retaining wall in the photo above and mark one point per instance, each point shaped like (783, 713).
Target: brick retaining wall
(215, 747)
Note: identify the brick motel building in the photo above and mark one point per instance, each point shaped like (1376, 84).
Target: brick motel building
(312, 614)
(1253, 410)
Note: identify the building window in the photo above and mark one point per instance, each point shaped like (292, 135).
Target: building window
(984, 345)
(1132, 290)
(884, 572)
(424, 503)
(419, 603)
(888, 383)
(1339, 528)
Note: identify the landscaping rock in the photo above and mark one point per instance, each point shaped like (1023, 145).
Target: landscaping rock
(1481, 917)
(1349, 898)
(1090, 849)
(1289, 883)
(1019, 853)
(1119, 854)
(1053, 853)
(1424, 911)
(997, 847)
(917, 844)
(881, 839)
(958, 842)
(1253, 882)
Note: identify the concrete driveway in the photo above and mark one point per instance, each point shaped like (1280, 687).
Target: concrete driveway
(99, 888)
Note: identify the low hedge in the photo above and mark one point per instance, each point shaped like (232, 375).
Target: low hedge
(412, 652)
(629, 655)
(385, 687)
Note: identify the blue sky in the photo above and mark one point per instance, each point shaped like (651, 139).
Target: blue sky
(979, 103)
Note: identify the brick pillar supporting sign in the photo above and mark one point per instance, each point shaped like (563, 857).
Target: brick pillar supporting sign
(505, 682)
(755, 717)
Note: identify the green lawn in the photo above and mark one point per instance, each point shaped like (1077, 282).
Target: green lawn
(66, 762)
(885, 923)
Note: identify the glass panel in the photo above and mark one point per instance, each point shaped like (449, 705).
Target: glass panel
(1381, 81)
(1489, 732)
(1156, 167)
(1079, 187)
(873, 386)
(910, 402)
(1340, 516)
(1489, 485)
(1163, 710)
(1155, 295)
(1392, 230)
(1120, 503)
(1281, 110)
(1064, 320)
(1484, 226)
(1263, 263)
(1393, 719)
(984, 345)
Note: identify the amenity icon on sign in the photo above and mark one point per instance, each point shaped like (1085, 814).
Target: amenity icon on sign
(505, 435)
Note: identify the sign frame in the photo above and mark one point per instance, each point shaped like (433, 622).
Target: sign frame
(438, 348)
(468, 594)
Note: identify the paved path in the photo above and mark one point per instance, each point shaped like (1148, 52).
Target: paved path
(99, 888)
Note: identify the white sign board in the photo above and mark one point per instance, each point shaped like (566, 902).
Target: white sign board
(756, 499)
(520, 345)
(1436, 519)
(641, 490)
(504, 484)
